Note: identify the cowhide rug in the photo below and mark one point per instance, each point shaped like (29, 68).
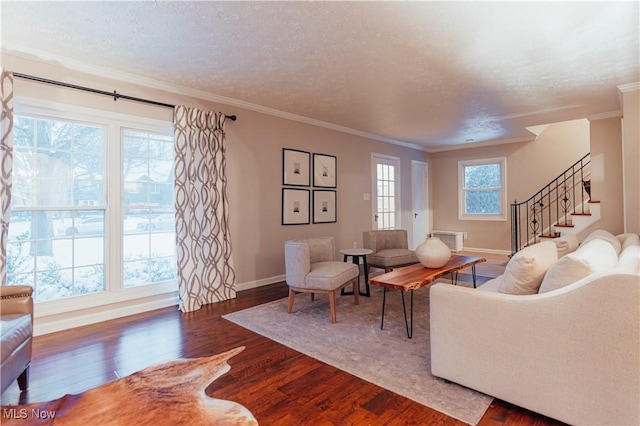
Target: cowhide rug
(172, 393)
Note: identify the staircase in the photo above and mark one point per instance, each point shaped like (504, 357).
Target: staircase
(578, 221)
(563, 206)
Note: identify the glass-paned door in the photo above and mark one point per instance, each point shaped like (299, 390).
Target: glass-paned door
(386, 192)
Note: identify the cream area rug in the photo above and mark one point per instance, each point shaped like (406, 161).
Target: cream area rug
(357, 345)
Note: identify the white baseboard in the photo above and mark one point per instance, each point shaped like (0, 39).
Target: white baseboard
(53, 323)
(485, 250)
(259, 283)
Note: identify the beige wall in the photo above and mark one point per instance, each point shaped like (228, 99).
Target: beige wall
(530, 166)
(631, 153)
(254, 165)
(606, 175)
(255, 176)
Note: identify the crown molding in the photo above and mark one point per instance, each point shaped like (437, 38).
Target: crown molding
(630, 87)
(537, 130)
(604, 115)
(627, 88)
(112, 74)
(482, 144)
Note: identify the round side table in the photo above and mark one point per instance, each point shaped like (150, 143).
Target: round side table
(356, 254)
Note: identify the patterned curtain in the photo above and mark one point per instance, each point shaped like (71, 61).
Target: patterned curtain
(6, 165)
(205, 273)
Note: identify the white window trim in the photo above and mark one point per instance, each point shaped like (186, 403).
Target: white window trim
(114, 124)
(502, 216)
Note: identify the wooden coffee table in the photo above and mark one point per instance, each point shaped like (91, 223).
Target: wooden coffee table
(417, 276)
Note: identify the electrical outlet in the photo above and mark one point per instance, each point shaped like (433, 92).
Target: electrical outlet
(464, 235)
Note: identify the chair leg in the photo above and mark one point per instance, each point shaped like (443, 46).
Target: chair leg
(332, 305)
(313, 297)
(356, 290)
(23, 379)
(292, 295)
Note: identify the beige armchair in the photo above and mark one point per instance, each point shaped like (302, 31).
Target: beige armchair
(16, 333)
(390, 249)
(311, 268)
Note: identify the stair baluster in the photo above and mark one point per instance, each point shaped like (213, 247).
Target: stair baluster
(534, 218)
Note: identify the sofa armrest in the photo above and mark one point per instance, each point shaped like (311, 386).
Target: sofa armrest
(16, 299)
(571, 354)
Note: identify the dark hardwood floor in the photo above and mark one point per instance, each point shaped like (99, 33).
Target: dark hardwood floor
(278, 385)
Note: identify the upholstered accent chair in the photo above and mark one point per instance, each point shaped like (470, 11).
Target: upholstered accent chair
(390, 249)
(311, 268)
(16, 334)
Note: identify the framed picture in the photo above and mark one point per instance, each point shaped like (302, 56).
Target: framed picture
(324, 171)
(296, 166)
(324, 206)
(295, 206)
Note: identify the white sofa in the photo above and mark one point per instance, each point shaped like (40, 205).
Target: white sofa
(570, 352)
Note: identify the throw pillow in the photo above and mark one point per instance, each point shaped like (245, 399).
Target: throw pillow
(595, 256)
(526, 269)
(566, 244)
(606, 236)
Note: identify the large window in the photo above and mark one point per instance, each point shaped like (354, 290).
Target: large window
(149, 253)
(482, 189)
(56, 237)
(92, 205)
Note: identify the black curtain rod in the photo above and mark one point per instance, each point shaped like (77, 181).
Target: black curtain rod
(115, 94)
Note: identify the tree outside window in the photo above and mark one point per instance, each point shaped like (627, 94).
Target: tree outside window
(63, 227)
(482, 189)
(58, 186)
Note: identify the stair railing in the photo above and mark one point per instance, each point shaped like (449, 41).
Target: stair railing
(553, 205)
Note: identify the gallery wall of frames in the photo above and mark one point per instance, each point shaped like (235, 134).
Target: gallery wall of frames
(309, 184)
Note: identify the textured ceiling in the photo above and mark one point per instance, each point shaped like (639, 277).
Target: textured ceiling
(432, 74)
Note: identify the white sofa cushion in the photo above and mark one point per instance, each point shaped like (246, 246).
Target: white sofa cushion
(628, 239)
(606, 236)
(595, 256)
(526, 269)
(491, 285)
(629, 261)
